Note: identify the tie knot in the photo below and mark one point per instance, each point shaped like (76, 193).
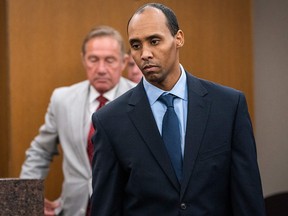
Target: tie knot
(167, 99)
(102, 99)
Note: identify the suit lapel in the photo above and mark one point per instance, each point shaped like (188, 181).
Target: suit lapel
(198, 111)
(197, 116)
(123, 86)
(77, 116)
(140, 109)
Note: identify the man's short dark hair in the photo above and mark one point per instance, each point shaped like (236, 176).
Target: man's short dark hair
(171, 18)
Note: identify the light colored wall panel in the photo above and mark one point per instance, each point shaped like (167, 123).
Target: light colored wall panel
(271, 88)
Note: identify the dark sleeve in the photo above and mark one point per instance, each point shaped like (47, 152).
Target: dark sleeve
(107, 177)
(246, 189)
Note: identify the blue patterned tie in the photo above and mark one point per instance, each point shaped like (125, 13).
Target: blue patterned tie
(171, 134)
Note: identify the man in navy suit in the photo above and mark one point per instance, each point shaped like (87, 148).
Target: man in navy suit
(133, 173)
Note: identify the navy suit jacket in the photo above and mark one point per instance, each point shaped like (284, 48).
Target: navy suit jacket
(132, 172)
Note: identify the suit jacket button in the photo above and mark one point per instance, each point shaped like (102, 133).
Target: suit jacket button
(183, 206)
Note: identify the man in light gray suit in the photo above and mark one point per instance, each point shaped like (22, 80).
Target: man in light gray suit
(68, 121)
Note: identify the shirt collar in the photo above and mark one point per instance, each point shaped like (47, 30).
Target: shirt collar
(154, 93)
(109, 95)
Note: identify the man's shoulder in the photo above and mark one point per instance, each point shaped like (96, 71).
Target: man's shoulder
(73, 87)
(119, 105)
(212, 87)
(83, 85)
(73, 90)
(126, 83)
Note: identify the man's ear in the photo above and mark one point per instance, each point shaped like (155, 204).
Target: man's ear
(179, 38)
(82, 58)
(125, 61)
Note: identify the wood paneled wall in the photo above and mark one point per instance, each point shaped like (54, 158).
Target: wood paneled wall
(4, 93)
(44, 52)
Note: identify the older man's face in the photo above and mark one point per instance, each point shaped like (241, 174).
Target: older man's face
(103, 62)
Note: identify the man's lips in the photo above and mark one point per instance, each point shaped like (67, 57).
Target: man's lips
(149, 67)
(101, 80)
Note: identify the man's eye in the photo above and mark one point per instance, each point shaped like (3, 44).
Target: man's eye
(92, 59)
(110, 60)
(135, 46)
(155, 41)
(131, 64)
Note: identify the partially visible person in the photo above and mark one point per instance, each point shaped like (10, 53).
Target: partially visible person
(68, 121)
(176, 144)
(133, 72)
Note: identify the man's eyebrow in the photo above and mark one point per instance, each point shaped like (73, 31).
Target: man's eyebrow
(153, 36)
(133, 40)
(150, 37)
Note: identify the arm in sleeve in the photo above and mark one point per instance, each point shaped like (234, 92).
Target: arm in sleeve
(44, 146)
(108, 179)
(246, 188)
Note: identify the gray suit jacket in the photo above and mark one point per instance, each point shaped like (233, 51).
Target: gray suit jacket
(64, 122)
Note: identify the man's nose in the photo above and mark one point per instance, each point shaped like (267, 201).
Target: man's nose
(102, 66)
(146, 53)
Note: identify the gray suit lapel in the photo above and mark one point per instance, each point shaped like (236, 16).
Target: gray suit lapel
(77, 113)
(77, 116)
(123, 86)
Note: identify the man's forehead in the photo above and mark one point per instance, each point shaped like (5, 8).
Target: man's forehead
(146, 24)
(104, 41)
(147, 15)
(147, 11)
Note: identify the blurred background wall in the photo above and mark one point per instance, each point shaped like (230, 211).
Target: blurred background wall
(270, 28)
(40, 50)
(4, 93)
